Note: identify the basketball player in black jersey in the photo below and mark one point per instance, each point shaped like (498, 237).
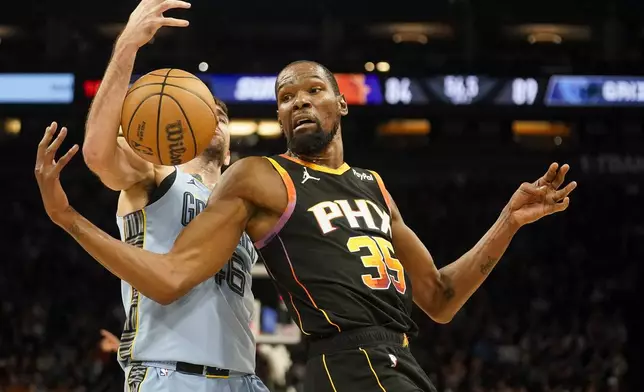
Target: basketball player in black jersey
(331, 237)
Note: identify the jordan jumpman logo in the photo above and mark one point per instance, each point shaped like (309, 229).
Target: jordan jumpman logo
(307, 176)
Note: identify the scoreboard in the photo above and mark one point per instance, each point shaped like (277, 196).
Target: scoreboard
(462, 90)
(371, 89)
(453, 90)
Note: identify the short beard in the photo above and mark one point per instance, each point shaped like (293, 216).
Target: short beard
(214, 153)
(312, 143)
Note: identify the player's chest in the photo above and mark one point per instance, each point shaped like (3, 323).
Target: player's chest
(186, 203)
(343, 213)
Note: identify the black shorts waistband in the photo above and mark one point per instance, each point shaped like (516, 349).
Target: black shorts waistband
(188, 368)
(356, 338)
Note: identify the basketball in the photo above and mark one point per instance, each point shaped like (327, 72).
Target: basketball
(169, 117)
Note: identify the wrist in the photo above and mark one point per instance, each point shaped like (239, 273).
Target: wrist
(125, 46)
(508, 221)
(66, 219)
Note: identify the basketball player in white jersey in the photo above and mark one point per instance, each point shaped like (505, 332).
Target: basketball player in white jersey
(203, 341)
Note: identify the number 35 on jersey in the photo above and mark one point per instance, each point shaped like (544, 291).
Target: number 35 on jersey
(382, 269)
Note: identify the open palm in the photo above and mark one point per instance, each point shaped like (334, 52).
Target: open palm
(48, 170)
(533, 201)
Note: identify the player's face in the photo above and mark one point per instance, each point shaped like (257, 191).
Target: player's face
(219, 148)
(308, 109)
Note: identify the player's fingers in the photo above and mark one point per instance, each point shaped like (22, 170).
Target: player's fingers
(109, 336)
(46, 138)
(561, 176)
(174, 22)
(558, 207)
(563, 193)
(53, 147)
(534, 190)
(551, 173)
(172, 4)
(64, 160)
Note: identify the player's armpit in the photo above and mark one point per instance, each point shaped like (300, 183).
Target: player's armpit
(120, 170)
(430, 290)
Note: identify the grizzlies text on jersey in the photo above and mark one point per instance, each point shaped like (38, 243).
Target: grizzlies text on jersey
(211, 324)
(331, 254)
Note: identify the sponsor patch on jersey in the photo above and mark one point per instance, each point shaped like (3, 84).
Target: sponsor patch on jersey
(363, 176)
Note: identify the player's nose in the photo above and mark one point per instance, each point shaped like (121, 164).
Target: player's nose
(302, 101)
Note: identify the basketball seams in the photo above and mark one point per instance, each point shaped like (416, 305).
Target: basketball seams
(138, 108)
(159, 116)
(175, 77)
(194, 140)
(129, 124)
(181, 88)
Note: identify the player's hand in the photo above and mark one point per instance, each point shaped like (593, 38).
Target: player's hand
(148, 18)
(48, 171)
(109, 342)
(532, 202)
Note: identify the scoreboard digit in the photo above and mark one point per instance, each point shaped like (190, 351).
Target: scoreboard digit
(404, 91)
(398, 91)
(524, 91)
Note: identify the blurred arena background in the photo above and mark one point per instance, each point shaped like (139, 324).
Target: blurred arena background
(454, 102)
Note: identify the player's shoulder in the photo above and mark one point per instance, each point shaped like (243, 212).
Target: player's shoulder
(251, 166)
(255, 180)
(252, 173)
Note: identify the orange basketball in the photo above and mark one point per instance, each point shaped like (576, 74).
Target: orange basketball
(169, 117)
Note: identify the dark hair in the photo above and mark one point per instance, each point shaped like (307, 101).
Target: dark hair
(222, 105)
(328, 74)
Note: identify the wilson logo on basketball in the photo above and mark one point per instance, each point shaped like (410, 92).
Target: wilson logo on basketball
(141, 148)
(140, 131)
(174, 135)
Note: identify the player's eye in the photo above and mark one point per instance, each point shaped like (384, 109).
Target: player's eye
(315, 90)
(286, 97)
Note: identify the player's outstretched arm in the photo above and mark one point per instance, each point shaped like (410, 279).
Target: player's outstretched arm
(201, 250)
(117, 166)
(442, 292)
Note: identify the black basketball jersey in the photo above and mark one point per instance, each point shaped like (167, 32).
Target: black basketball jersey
(331, 254)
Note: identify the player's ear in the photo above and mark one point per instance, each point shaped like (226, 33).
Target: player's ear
(227, 158)
(280, 123)
(342, 105)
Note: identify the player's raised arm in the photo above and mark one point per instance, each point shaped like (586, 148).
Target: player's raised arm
(200, 251)
(118, 167)
(442, 292)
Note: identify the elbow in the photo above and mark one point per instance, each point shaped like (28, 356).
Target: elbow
(93, 157)
(439, 313)
(97, 154)
(439, 306)
(442, 317)
(164, 295)
(167, 291)
(164, 299)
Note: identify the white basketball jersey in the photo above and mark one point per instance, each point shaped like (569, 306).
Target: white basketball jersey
(211, 324)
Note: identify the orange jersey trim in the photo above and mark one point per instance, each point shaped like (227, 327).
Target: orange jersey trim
(381, 185)
(308, 294)
(339, 171)
(290, 206)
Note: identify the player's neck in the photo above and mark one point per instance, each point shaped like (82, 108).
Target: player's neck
(332, 156)
(208, 172)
